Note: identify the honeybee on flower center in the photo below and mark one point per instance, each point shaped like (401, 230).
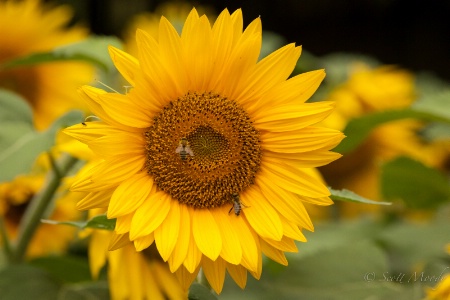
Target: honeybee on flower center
(183, 149)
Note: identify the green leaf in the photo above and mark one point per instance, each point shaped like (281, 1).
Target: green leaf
(417, 185)
(85, 291)
(68, 269)
(413, 245)
(358, 129)
(93, 49)
(14, 108)
(435, 104)
(200, 292)
(27, 282)
(21, 144)
(346, 195)
(97, 222)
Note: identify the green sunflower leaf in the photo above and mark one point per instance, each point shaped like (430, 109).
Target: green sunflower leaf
(27, 282)
(97, 222)
(358, 129)
(419, 186)
(20, 143)
(69, 269)
(97, 290)
(346, 195)
(93, 50)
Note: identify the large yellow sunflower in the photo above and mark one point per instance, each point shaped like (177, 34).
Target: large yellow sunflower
(210, 155)
(27, 27)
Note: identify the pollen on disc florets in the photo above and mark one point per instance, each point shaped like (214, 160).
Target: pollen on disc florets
(222, 154)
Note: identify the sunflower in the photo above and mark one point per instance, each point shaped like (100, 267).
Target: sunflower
(132, 274)
(15, 196)
(42, 28)
(370, 90)
(210, 155)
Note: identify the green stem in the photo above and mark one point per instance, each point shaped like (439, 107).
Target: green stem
(6, 244)
(38, 206)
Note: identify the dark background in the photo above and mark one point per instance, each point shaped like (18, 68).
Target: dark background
(410, 33)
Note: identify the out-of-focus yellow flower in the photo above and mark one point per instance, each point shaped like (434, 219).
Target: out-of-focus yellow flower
(15, 197)
(27, 27)
(209, 155)
(367, 91)
(132, 274)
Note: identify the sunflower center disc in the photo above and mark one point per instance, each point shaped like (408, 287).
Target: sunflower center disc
(201, 149)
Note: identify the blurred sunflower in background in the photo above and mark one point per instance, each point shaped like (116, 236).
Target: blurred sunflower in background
(42, 28)
(211, 154)
(369, 90)
(131, 274)
(15, 197)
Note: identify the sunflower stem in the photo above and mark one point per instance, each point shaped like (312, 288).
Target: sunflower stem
(38, 206)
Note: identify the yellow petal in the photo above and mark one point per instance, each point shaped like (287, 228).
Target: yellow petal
(272, 253)
(239, 274)
(150, 215)
(302, 140)
(91, 97)
(181, 247)
(158, 80)
(286, 244)
(129, 195)
(185, 278)
(221, 47)
(295, 90)
(231, 247)
(291, 230)
(171, 52)
(261, 215)
(123, 143)
(123, 110)
(95, 200)
(123, 224)
(97, 251)
(90, 131)
(144, 242)
(304, 114)
(125, 63)
(270, 71)
(206, 233)
(117, 169)
(311, 159)
(118, 241)
(249, 245)
(193, 255)
(214, 272)
(166, 234)
(293, 179)
(285, 202)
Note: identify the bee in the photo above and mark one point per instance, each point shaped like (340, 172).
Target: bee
(237, 204)
(183, 149)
